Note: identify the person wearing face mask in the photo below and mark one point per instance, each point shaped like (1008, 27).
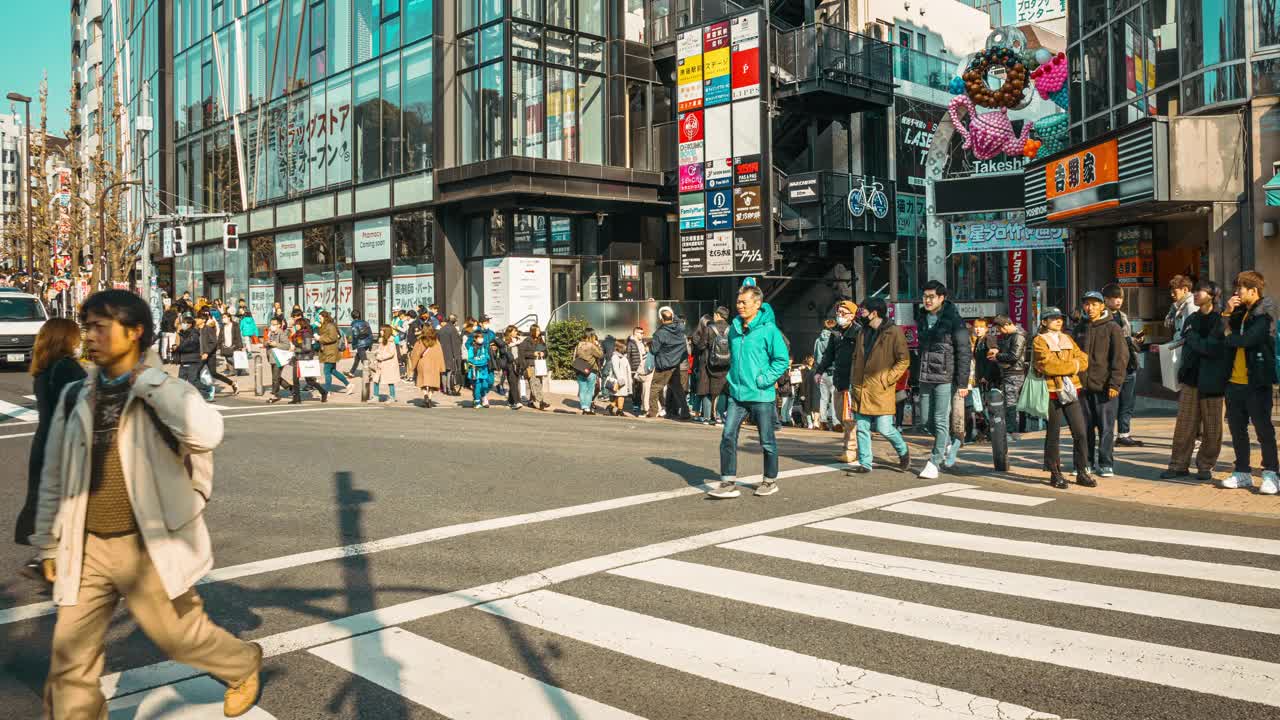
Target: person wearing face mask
(826, 389)
(945, 357)
(839, 365)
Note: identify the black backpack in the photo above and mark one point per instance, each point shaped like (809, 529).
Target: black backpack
(718, 353)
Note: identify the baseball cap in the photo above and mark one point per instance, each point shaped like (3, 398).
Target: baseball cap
(1050, 313)
(1093, 295)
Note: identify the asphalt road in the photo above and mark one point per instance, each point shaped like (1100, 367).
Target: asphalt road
(411, 563)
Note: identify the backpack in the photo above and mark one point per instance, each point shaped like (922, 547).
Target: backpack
(648, 363)
(718, 353)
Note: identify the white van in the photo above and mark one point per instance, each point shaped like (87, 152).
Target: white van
(21, 317)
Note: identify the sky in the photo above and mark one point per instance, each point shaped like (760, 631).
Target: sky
(37, 38)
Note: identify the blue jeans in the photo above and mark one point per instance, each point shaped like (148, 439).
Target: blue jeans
(884, 426)
(764, 415)
(391, 388)
(331, 370)
(784, 412)
(827, 400)
(586, 391)
(1128, 399)
(935, 408)
(713, 406)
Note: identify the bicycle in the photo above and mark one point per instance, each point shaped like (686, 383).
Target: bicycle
(860, 200)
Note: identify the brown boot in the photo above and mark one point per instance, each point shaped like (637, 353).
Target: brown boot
(241, 697)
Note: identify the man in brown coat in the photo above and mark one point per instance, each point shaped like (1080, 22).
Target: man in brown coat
(880, 358)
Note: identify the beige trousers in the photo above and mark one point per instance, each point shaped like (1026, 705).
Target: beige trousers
(845, 415)
(118, 567)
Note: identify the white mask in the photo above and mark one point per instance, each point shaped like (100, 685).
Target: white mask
(844, 321)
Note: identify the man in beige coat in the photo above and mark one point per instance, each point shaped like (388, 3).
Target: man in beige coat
(128, 470)
(880, 357)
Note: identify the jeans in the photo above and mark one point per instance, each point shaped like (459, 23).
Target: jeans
(1100, 416)
(784, 412)
(1074, 415)
(713, 407)
(1245, 406)
(191, 373)
(330, 370)
(764, 415)
(1128, 399)
(586, 391)
(827, 400)
(391, 390)
(884, 426)
(935, 408)
(361, 355)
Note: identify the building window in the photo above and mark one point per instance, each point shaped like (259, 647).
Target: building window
(1212, 32)
(417, 106)
(1266, 17)
(412, 233)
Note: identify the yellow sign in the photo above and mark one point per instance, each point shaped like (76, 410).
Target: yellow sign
(691, 70)
(717, 63)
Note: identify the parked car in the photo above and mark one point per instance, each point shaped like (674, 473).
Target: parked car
(21, 317)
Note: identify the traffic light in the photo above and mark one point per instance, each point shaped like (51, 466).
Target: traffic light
(179, 241)
(230, 237)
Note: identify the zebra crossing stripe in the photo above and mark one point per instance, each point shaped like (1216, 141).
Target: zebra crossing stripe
(17, 413)
(455, 684)
(1167, 536)
(999, 497)
(811, 682)
(1152, 564)
(1083, 594)
(196, 699)
(1206, 672)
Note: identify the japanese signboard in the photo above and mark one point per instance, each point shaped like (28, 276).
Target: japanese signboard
(746, 206)
(804, 189)
(719, 139)
(1135, 258)
(691, 177)
(917, 122)
(412, 285)
(1083, 182)
(720, 209)
(693, 211)
(262, 296)
(720, 252)
(715, 64)
(749, 251)
(1002, 235)
(691, 132)
(689, 70)
(745, 57)
(693, 254)
(746, 170)
(1035, 11)
(1019, 274)
(319, 290)
(718, 173)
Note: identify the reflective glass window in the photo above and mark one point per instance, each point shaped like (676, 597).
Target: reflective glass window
(528, 107)
(392, 152)
(417, 101)
(526, 41)
(560, 13)
(527, 9)
(368, 33)
(339, 35)
(591, 16)
(591, 119)
(417, 16)
(1212, 31)
(368, 123)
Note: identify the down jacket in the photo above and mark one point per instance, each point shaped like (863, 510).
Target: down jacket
(945, 354)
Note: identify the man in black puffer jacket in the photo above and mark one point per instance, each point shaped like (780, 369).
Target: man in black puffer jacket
(945, 358)
(1011, 356)
(669, 350)
(837, 359)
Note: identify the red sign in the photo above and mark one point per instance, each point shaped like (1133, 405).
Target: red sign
(746, 69)
(1019, 275)
(715, 37)
(1018, 267)
(691, 126)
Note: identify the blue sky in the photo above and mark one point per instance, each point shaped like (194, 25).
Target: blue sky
(37, 37)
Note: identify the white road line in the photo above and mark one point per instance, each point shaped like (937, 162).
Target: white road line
(12, 414)
(16, 435)
(804, 680)
(4, 423)
(163, 673)
(258, 567)
(1153, 564)
(29, 397)
(1168, 536)
(999, 497)
(196, 699)
(1105, 597)
(1196, 670)
(455, 684)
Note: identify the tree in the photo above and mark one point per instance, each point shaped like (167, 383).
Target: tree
(121, 231)
(37, 202)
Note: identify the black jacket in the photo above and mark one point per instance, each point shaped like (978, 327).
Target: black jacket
(1103, 341)
(945, 355)
(839, 355)
(1255, 336)
(984, 370)
(169, 320)
(48, 386)
(635, 353)
(1012, 357)
(669, 348)
(1206, 361)
(450, 345)
(188, 351)
(708, 379)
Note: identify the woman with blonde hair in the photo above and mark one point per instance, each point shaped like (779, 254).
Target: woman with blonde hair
(426, 363)
(53, 367)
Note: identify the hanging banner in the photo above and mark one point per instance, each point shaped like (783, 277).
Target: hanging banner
(715, 68)
(1019, 278)
(689, 70)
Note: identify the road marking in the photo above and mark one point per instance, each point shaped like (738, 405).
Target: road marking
(1196, 670)
(29, 397)
(1153, 564)
(240, 415)
(1071, 592)
(196, 699)
(18, 435)
(258, 567)
(1168, 536)
(12, 414)
(455, 684)
(999, 497)
(786, 675)
(163, 673)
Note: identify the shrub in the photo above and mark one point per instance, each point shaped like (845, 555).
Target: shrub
(562, 337)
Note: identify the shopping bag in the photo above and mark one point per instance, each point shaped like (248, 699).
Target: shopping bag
(1034, 399)
(975, 400)
(795, 376)
(309, 368)
(240, 360)
(524, 388)
(282, 357)
(1170, 362)
(206, 377)
(540, 367)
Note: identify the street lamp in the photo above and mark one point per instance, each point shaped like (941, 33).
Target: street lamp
(26, 100)
(102, 225)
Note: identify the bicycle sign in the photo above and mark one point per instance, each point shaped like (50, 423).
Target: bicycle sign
(871, 198)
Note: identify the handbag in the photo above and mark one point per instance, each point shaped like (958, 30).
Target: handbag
(540, 367)
(309, 368)
(1068, 394)
(240, 360)
(1034, 398)
(582, 367)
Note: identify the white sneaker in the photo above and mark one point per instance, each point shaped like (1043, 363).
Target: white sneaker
(725, 490)
(1236, 480)
(1270, 483)
(930, 471)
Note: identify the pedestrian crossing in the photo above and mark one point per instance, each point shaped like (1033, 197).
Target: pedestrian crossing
(932, 590)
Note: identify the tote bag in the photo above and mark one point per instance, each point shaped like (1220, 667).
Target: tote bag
(240, 360)
(309, 368)
(1034, 399)
(539, 368)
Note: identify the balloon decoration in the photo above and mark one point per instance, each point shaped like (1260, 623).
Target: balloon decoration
(988, 134)
(1009, 94)
(1051, 77)
(1051, 131)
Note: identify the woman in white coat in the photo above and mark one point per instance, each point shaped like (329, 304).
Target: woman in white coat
(620, 379)
(385, 362)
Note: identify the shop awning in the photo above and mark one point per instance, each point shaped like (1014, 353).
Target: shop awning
(1272, 189)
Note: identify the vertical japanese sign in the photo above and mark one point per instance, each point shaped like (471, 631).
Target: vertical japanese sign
(689, 70)
(715, 67)
(1019, 275)
(745, 57)
(691, 130)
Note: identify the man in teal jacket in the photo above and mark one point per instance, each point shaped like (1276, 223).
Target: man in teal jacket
(758, 356)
